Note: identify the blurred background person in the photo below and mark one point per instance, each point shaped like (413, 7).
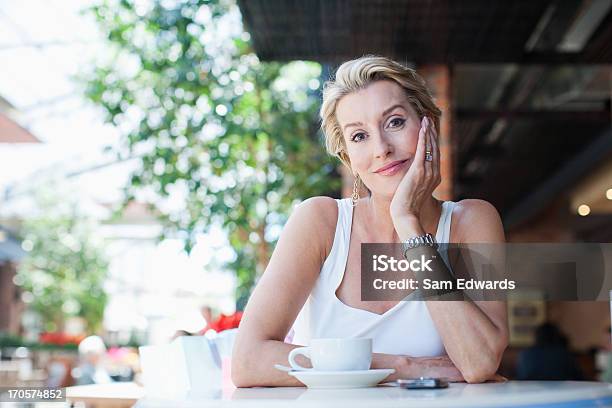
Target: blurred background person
(214, 324)
(222, 322)
(549, 358)
(91, 369)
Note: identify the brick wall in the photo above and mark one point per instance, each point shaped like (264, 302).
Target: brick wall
(11, 306)
(438, 78)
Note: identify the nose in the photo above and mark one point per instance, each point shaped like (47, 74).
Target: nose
(382, 147)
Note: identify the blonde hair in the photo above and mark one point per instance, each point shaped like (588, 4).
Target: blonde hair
(357, 74)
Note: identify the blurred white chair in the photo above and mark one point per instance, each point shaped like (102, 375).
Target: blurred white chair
(224, 342)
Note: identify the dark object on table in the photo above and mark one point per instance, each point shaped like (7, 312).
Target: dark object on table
(422, 383)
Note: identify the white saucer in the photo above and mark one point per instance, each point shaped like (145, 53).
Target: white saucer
(342, 379)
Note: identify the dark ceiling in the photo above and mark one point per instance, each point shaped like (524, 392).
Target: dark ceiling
(531, 80)
(421, 31)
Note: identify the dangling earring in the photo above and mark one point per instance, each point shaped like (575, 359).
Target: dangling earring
(355, 195)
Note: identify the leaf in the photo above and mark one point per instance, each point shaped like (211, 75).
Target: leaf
(216, 120)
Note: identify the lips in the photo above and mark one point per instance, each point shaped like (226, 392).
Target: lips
(391, 168)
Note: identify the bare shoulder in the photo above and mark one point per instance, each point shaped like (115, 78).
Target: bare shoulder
(317, 216)
(324, 208)
(320, 213)
(476, 220)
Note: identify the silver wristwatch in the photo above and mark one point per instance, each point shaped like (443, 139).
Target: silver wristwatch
(421, 240)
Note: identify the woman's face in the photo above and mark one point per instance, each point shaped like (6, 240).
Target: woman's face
(380, 130)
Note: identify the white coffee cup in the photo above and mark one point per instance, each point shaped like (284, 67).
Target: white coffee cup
(335, 354)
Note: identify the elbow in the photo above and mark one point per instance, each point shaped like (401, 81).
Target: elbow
(482, 371)
(240, 373)
(486, 368)
(240, 366)
(502, 343)
(478, 375)
(239, 377)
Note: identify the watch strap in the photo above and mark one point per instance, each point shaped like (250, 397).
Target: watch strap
(420, 240)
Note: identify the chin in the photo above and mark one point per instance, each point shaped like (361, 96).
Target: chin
(386, 192)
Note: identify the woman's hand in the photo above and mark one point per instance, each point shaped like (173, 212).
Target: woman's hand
(421, 179)
(434, 367)
(407, 367)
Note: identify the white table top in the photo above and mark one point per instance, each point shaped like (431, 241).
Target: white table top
(117, 394)
(513, 393)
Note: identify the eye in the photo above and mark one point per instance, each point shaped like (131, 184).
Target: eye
(396, 122)
(358, 137)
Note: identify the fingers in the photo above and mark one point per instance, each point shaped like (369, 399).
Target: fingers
(428, 143)
(435, 151)
(432, 140)
(419, 156)
(427, 163)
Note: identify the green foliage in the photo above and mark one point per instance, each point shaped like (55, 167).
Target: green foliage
(8, 340)
(235, 138)
(63, 274)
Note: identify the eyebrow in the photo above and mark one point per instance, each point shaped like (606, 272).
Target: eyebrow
(385, 112)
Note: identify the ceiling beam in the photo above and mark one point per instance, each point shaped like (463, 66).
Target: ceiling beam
(603, 115)
(573, 171)
(534, 58)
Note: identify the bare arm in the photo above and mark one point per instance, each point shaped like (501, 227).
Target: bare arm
(474, 334)
(281, 293)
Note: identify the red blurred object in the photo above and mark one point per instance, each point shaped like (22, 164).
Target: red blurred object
(60, 339)
(224, 322)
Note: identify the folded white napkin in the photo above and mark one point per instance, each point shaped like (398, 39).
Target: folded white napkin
(189, 365)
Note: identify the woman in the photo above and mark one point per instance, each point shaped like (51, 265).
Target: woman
(380, 120)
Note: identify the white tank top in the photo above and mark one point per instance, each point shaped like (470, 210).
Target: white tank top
(405, 329)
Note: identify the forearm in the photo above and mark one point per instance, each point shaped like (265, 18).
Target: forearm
(253, 365)
(471, 339)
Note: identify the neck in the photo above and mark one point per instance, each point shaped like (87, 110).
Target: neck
(376, 210)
